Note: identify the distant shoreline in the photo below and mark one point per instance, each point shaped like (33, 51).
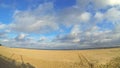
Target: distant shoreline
(67, 49)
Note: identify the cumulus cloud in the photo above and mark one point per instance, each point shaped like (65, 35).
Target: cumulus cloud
(42, 39)
(21, 37)
(101, 4)
(76, 29)
(82, 4)
(38, 20)
(2, 34)
(99, 16)
(84, 28)
(92, 38)
(113, 15)
(3, 30)
(95, 36)
(85, 17)
(73, 16)
(2, 26)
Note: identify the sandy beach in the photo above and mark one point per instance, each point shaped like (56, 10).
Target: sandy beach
(58, 58)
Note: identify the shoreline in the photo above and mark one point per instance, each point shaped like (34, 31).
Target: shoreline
(65, 49)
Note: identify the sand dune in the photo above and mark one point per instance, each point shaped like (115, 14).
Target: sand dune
(58, 58)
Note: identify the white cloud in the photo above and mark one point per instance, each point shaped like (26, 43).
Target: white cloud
(69, 16)
(113, 2)
(82, 4)
(2, 34)
(113, 15)
(21, 37)
(38, 20)
(93, 37)
(5, 40)
(76, 29)
(73, 16)
(101, 4)
(99, 16)
(43, 38)
(85, 17)
(83, 24)
(2, 26)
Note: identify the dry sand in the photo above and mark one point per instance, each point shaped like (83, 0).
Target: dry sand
(58, 58)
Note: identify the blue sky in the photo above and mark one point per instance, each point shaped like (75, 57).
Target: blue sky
(59, 24)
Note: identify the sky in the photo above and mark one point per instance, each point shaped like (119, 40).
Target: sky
(60, 24)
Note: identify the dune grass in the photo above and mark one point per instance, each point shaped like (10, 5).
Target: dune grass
(9, 63)
(113, 63)
(85, 63)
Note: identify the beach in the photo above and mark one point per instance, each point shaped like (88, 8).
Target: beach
(58, 58)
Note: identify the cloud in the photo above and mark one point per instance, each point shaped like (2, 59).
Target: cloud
(2, 26)
(38, 20)
(42, 39)
(114, 2)
(101, 4)
(99, 16)
(113, 15)
(85, 17)
(90, 38)
(2, 34)
(3, 30)
(76, 29)
(73, 16)
(82, 4)
(83, 27)
(21, 37)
